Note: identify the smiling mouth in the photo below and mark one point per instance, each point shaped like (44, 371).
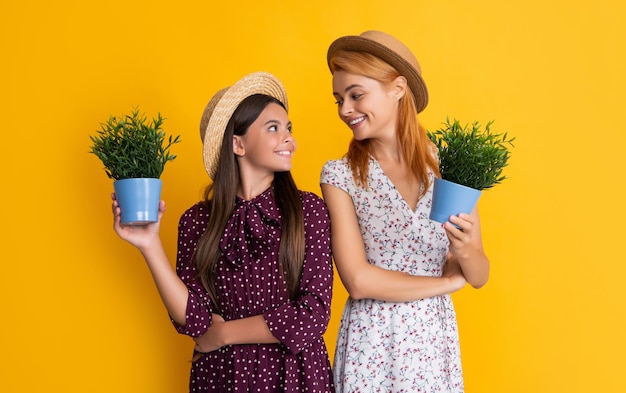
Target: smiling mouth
(285, 153)
(356, 121)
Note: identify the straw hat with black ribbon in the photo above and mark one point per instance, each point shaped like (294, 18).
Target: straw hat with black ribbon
(390, 50)
(221, 107)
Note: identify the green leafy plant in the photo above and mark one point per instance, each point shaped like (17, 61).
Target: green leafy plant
(132, 147)
(471, 156)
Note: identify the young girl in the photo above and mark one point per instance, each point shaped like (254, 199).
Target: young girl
(398, 332)
(253, 280)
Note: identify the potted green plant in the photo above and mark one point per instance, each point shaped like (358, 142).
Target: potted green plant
(471, 159)
(134, 152)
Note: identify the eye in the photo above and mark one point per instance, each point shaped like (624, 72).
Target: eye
(272, 128)
(339, 102)
(290, 128)
(356, 97)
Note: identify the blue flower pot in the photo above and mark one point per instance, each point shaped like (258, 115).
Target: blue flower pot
(451, 199)
(139, 200)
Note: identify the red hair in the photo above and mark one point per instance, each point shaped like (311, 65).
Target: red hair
(414, 144)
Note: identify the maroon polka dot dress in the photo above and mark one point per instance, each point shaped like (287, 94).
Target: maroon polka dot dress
(248, 283)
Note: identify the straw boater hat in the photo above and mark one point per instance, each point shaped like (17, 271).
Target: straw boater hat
(392, 51)
(219, 110)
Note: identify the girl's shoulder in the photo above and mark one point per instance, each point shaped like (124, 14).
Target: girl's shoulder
(311, 200)
(201, 207)
(315, 211)
(196, 214)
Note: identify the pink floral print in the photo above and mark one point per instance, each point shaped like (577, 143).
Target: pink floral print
(386, 346)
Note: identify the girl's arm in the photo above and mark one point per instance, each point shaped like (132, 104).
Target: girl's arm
(364, 280)
(251, 330)
(146, 238)
(466, 247)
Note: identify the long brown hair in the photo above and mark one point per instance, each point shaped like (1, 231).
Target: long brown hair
(415, 146)
(220, 196)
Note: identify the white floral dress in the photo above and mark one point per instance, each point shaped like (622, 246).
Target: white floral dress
(388, 346)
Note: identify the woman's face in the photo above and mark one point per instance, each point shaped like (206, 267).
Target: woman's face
(268, 145)
(365, 105)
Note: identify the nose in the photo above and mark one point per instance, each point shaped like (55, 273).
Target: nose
(288, 137)
(290, 140)
(345, 109)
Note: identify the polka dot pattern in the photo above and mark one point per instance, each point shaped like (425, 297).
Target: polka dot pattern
(249, 284)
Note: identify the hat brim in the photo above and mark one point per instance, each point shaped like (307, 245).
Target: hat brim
(227, 102)
(362, 44)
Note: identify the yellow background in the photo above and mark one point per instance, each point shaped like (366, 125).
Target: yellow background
(79, 310)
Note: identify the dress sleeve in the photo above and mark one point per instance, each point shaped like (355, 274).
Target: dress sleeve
(337, 173)
(304, 320)
(198, 316)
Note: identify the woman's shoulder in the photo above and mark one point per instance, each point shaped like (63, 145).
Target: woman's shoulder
(334, 168)
(338, 173)
(334, 165)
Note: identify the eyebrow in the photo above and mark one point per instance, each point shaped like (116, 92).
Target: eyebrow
(347, 89)
(274, 121)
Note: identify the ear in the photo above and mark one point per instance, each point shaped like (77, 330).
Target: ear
(238, 148)
(399, 87)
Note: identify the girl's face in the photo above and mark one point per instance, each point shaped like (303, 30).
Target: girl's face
(365, 105)
(268, 145)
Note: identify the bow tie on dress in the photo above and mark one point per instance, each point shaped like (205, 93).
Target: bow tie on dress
(250, 224)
